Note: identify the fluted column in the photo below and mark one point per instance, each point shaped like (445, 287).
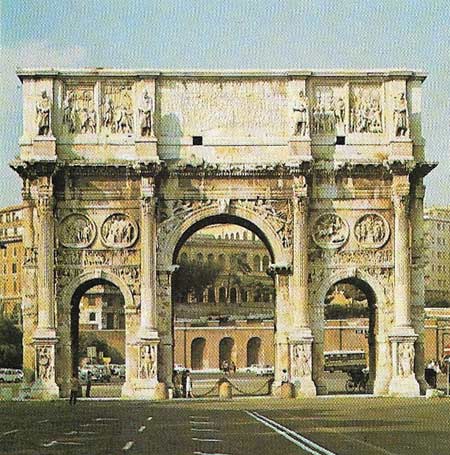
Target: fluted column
(300, 339)
(148, 262)
(45, 260)
(402, 262)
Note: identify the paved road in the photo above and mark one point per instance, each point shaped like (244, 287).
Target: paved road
(324, 426)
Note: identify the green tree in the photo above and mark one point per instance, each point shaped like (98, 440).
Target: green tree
(194, 277)
(10, 344)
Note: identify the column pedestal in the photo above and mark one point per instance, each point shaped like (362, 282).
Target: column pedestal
(145, 386)
(403, 382)
(300, 353)
(44, 386)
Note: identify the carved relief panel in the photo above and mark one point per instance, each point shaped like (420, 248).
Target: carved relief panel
(366, 113)
(330, 231)
(117, 108)
(119, 231)
(79, 111)
(371, 231)
(329, 110)
(77, 231)
(147, 361)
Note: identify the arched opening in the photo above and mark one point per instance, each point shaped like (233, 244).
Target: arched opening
(350, 336)
(254, 351)
(97, 328)
(197, 353)
(227, 351)
(227, 277)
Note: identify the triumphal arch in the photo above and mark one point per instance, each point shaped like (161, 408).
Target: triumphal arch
(120, 167)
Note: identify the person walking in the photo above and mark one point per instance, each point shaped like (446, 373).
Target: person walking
(183, 382)
(177, 385)
(88, 385)
(284, 377)
(188, 385)
(74, 385)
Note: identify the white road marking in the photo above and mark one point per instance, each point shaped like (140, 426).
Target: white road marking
(105, 419)
(79, 432)
(204, 429)
(296, 438)
(128, 445)
(149, 418)
(199, 417)
(6, 433)
(200, 423)
(64, 443)
(364, 443)
(142, 428)
(207, 440)
(209, 453)
(43, 421)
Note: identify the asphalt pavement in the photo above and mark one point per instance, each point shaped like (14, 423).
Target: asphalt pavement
(321, 426)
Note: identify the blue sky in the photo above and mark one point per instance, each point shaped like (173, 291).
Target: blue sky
(230, 34)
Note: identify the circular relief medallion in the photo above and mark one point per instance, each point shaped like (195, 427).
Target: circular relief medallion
(330, 231)
(77, 231)
(371, 230)
(119, 231)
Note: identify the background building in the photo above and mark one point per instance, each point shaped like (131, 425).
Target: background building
(11, 263)
(437, 250)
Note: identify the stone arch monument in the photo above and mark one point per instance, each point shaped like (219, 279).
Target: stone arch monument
(119, 167)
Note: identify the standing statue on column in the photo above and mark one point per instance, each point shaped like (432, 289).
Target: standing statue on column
(401, 115)
(43, 110)
(301, 116)
(146, 112)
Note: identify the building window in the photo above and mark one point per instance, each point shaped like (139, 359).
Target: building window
(197, 140)
(92, 317)
(14, 268)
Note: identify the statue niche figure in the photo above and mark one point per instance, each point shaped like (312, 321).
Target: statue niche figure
(145, 113)
(401, 115)
(301, 116)
(43, 110)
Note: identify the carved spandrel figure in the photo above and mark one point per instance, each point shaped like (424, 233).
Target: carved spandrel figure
(146, 113)
(405, 359)
(43, 113)
(401, 115)
(301, 116)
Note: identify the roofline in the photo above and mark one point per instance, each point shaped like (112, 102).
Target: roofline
(24, 73)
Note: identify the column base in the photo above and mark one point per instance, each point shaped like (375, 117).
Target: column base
(139, 389)
(404, 387)
(304, 387)
(44, 390)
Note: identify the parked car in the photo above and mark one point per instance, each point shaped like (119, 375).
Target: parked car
(11, 375)
(265, 370)
(101, 374)
(179, 368)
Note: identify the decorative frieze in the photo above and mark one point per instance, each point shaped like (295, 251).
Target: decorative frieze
(95, 258)
(329, 258)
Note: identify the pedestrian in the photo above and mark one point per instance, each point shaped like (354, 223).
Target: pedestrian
(284, 377)
(88, 385)
(188, 385)
(74, 385)
(183, 382)
(177, 385)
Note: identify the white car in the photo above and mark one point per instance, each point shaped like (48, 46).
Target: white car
(10, 375)
(260, 370)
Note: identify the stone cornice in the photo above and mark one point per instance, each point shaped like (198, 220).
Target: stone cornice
(26, 73)
(34, 169)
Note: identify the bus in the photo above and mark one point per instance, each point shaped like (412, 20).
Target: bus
(344, 361)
